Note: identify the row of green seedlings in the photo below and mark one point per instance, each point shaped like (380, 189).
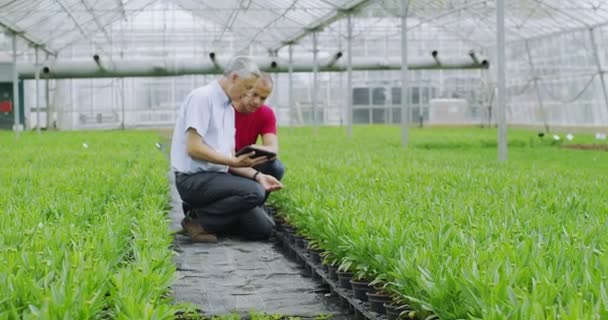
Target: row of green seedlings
(453, 233)
(84, 231)
(371, 292)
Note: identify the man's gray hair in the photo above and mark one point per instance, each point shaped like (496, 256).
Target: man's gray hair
(243, 66)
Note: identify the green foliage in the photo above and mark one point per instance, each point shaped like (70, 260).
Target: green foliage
(447, 228)
(84, 227)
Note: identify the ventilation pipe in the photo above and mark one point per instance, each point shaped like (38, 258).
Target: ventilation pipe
(73, 69)
(333, 59)
(214, 61)
(98, 62)
(435, 54)
(483, 63)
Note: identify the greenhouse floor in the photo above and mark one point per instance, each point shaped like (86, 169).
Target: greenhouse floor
(235, 276)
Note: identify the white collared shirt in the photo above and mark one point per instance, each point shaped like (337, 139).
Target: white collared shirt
(207, 110)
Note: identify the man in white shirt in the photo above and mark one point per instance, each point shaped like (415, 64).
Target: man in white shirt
(225, 193)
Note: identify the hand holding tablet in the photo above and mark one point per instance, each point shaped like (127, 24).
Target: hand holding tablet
(258, 152)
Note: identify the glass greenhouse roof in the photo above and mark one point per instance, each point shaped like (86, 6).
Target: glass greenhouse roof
(269, 25)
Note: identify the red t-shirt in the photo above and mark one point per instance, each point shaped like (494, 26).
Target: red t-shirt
(251, 125)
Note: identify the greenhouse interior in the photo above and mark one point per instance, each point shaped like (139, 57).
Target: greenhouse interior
(440, 159)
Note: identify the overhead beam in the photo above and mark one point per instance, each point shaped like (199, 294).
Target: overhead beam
(218, 21)
(560, 32)
(321, 23)
(112, 20)
(71, 15)
(159, 68)
(97, 22)
(230, 21)
(27, 37)
(79, 26)
(570, 16)
(122, 9)
(268, 25)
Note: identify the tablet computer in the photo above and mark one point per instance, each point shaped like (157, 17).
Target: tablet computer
(258, 152)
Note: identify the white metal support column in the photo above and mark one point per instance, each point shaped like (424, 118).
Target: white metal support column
(75, 101)
(405, 97)
(276, 97)
(16, 112)
(93, 100)
(37, 98)
(536, 87)
(277, 90)
(173, 93)
(491, 91)
(123, 93)
(315, 84)
(349, 76)
(47, 99)
(122, 98)
(501, 80)
(93, 91)
(598, 62)
(292, 108)
(113, 101)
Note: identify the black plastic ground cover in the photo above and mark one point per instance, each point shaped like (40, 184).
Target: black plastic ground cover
(236, 276)
(295, 248)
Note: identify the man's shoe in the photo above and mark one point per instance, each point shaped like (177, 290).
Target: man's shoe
(196, 231)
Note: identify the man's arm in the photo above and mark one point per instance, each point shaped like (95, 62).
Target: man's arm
(244, 172)
(198, 150)
(268, 182)
(268, 130)
(271, 142)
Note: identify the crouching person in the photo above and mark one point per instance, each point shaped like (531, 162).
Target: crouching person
(221, 193)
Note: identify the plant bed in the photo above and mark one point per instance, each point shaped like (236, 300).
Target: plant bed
(85, 233)
(300, 241)
(377, 300)
(315, 255)
(344, 296)
(360, 288)
(333, 272)
(396, 311)
(344, 279)
(393, 211)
